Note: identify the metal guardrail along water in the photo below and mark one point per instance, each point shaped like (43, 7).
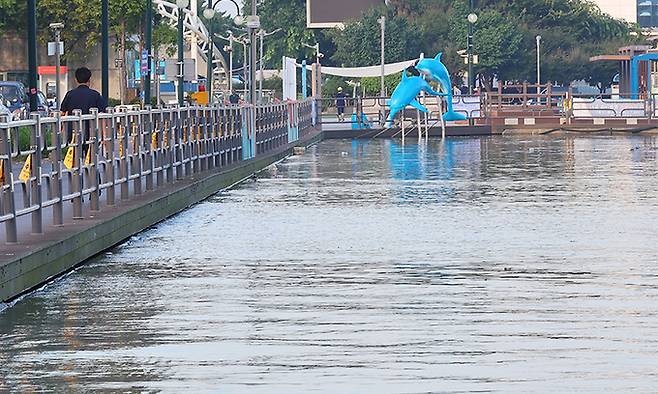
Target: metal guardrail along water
(128, 152)
(490, 108)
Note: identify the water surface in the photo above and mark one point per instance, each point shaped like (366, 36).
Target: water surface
(493, 265)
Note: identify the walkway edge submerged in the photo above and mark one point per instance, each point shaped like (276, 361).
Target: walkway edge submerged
(31, 270)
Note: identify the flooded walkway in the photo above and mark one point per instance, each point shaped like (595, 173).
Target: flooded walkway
(495, 264)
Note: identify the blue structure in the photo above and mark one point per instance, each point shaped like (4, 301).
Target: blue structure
(405, 94)
(635, 77)
(437, 71)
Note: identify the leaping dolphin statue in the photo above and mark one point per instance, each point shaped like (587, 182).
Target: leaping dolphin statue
(437, 71)
(405, 94)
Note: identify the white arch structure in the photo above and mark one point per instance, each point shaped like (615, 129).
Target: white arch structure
(196, 32)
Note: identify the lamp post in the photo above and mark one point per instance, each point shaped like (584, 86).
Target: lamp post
(472, 19)
(262, 34)
(318, 55)
(253, 24)
(209, 14)
(382, 22)
(538, 38)
(57, 29)
(181, 5)
(105, 51)
(32, 52)
(148, 43)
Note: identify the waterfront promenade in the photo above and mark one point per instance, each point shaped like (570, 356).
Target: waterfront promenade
(144, 166)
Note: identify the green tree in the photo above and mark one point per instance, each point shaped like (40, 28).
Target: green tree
(291, 16)
(359, 43)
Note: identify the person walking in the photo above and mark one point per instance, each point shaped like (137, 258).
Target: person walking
(340, 104)
(82, 98)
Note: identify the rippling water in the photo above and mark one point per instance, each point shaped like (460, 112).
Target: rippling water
(498, 264)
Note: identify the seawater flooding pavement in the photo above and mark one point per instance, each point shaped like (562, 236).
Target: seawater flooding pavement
(475, 264)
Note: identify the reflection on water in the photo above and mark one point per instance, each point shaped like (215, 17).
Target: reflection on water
(499, 264)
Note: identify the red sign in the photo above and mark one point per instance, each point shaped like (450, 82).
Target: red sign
(50, 70)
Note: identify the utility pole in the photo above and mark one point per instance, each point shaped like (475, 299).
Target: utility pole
(253, 24)
(57, 29)
(472, 18)
(105, 51)
(262, 34)
(32, 52)
(181, 4)
(382, 22)
(538, 38)
(148, 41)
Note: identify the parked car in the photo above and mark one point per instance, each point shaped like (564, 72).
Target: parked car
(15, 98)
(4, 111)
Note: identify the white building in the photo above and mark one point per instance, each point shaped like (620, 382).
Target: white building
(620, 9)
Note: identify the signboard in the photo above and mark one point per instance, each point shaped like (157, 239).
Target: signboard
(144, 62)
(52, 47)
(189, 70)
(334, 13)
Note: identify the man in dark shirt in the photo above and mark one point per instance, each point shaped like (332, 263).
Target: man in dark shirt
(83, 97)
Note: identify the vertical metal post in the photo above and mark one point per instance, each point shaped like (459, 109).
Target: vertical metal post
(304, 76)
(58, 208)
(105, 50)
(32, 52)
(261, 33)
(382, 21)
(230, 62)
(180, 57)
(94, 174)
(538, 38)
(78, 157)
(148, 42)
(252, 58)
(209, 55)
(8, 194)
(470, 53)
(110, 150)
(58, 69)
(35, 173)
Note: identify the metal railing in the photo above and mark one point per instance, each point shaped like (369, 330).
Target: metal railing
(125, 152)
(489, 108)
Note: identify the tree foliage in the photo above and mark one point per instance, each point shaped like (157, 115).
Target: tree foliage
(359, 43)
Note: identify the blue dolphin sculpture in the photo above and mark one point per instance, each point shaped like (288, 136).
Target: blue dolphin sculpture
(405, 94)
(436, 71)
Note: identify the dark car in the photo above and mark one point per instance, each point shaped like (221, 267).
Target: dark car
(15, 97)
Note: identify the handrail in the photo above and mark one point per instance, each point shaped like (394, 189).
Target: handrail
(135, 150)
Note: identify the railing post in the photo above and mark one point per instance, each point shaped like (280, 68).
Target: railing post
(94, 173)
(8, 192)
(123, 154)
(160, 148)
(35, 176)
(78, 181)
(137, 151)
(58, 207)
(149, 130)
(109, 152)
(187, 126)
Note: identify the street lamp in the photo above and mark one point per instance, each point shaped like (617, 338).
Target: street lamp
(209, 13)
(181, 5)
(262, 34)
(382, 22)
(57, 29)
(472, 19)
(318, 55)
(538, 38)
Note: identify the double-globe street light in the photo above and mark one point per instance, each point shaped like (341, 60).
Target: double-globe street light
(209, 13)
(472, 19)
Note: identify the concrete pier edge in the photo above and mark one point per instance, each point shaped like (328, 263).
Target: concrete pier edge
(28, 271)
